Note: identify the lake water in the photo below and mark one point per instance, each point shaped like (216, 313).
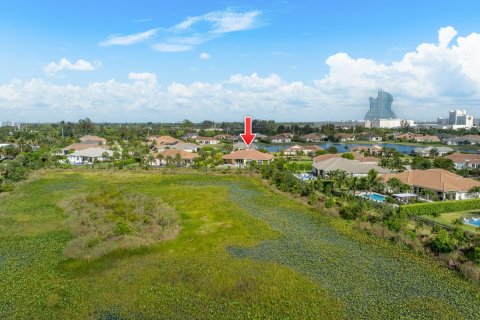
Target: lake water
(344, 147)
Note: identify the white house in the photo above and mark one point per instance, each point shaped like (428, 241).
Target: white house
(89, 156)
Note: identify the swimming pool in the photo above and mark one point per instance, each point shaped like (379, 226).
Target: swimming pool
(473, 221)
(374, 196)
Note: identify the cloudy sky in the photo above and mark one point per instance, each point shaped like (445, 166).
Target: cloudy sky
(308, 60)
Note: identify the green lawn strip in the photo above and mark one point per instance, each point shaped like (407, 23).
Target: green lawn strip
(448, 218)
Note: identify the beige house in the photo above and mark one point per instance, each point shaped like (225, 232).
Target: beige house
(445, 184)
(206, 140)
(170, 156)
(163, 140)
(353, 168)
(294, 150)
(465, 160)
(244, 157)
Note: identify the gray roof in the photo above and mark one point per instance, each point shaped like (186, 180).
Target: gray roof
(91, 152)
(181, 146)
(428, 149)
(349, 166)
(243, 146)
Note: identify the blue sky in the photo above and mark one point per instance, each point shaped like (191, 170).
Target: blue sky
(134, 60)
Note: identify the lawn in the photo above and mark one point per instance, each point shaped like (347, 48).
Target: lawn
(447, 218)
(243, 251)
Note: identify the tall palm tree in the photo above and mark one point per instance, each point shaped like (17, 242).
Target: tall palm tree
(372, 180)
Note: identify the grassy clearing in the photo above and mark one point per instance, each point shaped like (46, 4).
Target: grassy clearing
(243, 252)
(448, 218)
(106, 221)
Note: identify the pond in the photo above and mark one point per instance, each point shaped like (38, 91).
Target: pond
(344, 147)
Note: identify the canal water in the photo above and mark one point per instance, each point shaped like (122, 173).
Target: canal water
(345, 147)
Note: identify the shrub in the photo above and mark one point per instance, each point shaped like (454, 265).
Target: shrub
(435, 208)
(442, 242)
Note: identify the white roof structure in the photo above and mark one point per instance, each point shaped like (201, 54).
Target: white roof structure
(91, 153)
(349, 166)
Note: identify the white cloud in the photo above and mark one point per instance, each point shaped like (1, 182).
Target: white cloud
(192, 31)
(143, 76)
(425, 83)
(129, 39)
(204, 56)
(65, 64)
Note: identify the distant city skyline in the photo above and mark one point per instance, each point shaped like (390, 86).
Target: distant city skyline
(283, 60)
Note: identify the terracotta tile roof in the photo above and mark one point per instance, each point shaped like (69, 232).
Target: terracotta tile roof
(369, 159)
(349, 166)
(248, 154)
(93, 139)
(464, 157)
(83, 146)
(183, 154)
(163, 140)
(435, 179)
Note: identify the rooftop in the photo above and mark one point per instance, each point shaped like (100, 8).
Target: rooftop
(248, 154)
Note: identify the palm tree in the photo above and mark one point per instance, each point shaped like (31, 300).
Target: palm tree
(394, 184)
(434, 153)
(427, 193)
(372, 180)
(354, 183)
(160, 158)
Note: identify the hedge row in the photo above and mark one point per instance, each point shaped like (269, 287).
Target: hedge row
(435, 208)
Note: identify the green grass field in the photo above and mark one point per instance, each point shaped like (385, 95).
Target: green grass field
(243, 252)
(447, 218)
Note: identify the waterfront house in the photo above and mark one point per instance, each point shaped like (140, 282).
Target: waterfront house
(427, 151)
(294, 150)
(465, 160)
(281, 138)
(343, 137)
(463, 140)
(315, 137)
(244, 157)
(445, 185)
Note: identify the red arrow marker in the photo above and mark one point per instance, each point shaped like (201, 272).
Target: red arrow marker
(248, 136)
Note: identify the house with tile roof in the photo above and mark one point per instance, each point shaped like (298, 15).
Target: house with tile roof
(89, 155)
(88, 139)
(465, 160)
(445, 184)
(206, 140)
(244, 157)
(170, 156)
(353, 168)
(294, 150)
(315, 137)
(163, 140)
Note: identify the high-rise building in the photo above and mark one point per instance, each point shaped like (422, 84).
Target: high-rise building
(457, 119)
(381, 107)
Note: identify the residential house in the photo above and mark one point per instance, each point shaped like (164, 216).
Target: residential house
(185, 146)
(206, 140)
(281, 138)
(243, 146)
(89, 155)
(170, 156)
(427, 151)
(315, 137)
(445, 184)
(426, 138)
(411, 137)
(259, 136)
(88, 139)
(356, 155)
(80, 146)
(163, 140)
(227, 137)
(463, 140)
(189, 135)
(294, 150)
(372, 137)
(374, 150)
(465, 160)
(343, 137)
(354, 168)
(244, 157)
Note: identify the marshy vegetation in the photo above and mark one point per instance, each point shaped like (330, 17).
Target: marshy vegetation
(105, 221)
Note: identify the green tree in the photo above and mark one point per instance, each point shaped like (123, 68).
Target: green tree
(442, 242)
(443, 163)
